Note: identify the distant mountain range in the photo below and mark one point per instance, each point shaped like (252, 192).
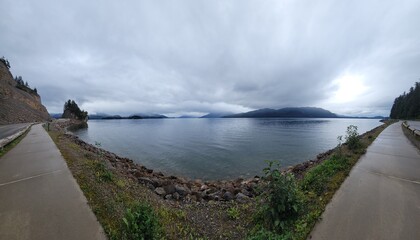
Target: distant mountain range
(290, 112)
(107, 116)
(216, 115)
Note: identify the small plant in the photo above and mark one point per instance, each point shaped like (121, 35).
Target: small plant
(102, 173)
(282, 198)
(120, 183)
(233, 213)
(352, 137)
(106, 176)
(140, 222)
(340, 144)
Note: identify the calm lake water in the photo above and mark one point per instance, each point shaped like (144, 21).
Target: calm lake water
(219, 148)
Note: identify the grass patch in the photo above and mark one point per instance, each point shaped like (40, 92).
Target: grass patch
(13, 143)
(141, 222)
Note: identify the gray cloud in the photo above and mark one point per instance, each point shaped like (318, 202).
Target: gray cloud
(200, 56)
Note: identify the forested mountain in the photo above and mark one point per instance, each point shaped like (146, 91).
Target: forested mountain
(407, 105)
(293, 112)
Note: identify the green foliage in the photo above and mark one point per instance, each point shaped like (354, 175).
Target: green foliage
(352, 138)
(72, 107)
(102, 173)
(140, 222)
(316, 180)
(340, 144)
(233, 213)
(407, 105)
(282, 199)
(264, 234)
(20, 84)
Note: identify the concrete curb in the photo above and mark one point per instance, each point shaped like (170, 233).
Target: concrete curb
(415, 132)
(9, 139)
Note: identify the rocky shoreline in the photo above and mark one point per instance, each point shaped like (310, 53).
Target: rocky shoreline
(182, 189)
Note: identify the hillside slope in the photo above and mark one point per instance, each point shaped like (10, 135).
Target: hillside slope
(17, 105)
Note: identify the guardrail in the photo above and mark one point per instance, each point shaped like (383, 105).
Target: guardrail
(9, 139)
(415, 132)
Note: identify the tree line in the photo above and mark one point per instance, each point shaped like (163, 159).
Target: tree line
(407, 105)
(24, 85)
(19, 80)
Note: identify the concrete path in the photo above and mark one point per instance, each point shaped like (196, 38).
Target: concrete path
(381, 197)
(39, 198)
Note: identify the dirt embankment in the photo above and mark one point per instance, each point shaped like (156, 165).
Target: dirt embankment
(17, 105)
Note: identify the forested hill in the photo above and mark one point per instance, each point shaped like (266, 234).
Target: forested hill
(407, 105)
(294, 112)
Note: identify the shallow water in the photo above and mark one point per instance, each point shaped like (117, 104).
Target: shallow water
(219, 148)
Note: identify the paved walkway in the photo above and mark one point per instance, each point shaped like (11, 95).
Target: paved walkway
(381, 197)
(39, 198)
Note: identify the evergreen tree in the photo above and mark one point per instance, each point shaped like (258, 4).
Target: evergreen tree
(407, 105)
(72, 107)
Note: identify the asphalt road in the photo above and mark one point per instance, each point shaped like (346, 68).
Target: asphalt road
(381, 197)
(10, 129)
(39, 198)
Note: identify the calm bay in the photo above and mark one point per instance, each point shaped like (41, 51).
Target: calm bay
(219, 148)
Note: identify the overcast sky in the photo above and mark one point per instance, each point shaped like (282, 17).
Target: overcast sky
(195, 57)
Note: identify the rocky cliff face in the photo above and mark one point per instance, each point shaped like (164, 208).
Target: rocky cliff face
(16, 105)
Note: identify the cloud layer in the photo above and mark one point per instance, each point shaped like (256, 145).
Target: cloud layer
(194, 57)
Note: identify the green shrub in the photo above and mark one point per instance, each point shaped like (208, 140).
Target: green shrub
(140, 222)
(263, 234)
(233, 213)
(282, 200)
(352, 137)
(316, 180)
(103, 174)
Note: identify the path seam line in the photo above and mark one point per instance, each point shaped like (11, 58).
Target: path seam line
(389, 176)
(388, 154)
(28, 178)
